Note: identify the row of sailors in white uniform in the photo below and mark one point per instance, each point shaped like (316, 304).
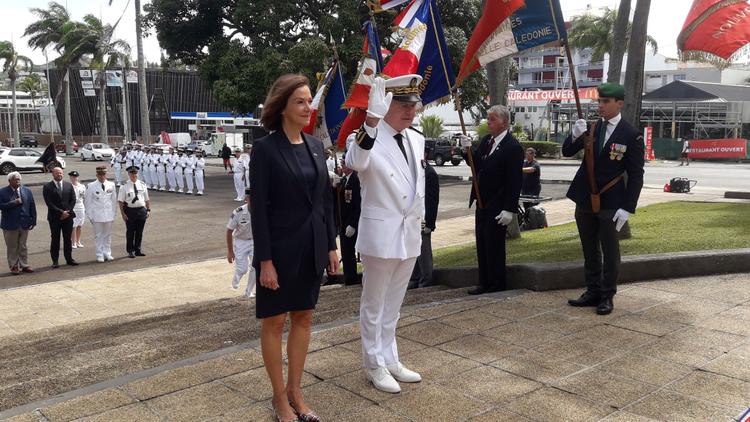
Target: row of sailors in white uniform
(172, 172)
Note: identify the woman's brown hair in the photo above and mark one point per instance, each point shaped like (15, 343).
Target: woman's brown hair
(277, 98)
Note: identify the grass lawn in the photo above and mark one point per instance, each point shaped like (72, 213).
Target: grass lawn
(659, 228)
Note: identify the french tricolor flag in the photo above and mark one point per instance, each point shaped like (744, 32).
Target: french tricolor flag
(390, 4)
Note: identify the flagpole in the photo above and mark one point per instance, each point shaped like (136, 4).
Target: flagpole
(459, 109)
(574, 83)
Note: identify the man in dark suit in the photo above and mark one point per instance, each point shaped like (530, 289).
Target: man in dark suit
(498, 163)
(60, 199)
(617, 149)
(18, 217)
(349, 203)
(422, 274)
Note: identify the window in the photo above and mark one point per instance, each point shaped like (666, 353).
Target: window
(680, 77)
(32, 153)
(18, 153)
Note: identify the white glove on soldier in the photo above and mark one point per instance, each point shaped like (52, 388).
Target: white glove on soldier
(579, 128)
(349, 231)
(379, 101)
(620, 218)
(465, 142)
(504, 218)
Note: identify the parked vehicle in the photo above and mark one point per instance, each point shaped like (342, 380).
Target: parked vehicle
(18, 159)
(96, 151)
(178, 139)
(60, 147)
(442, 150)
(206, 146)
(29, 141)
(163, 147)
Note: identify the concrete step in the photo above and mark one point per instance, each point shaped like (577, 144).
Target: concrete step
(44, 363)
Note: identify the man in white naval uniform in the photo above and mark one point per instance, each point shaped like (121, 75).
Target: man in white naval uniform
(240, 246)
(153, 161)
(171, 161)
(117, 163)
(200, 166)
(388, 158)
(246, 158)
(161, 169)
(188, 171)
(238, 169)
(101, 209)
(178, 169)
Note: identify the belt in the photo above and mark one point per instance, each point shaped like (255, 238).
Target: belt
(134, 208)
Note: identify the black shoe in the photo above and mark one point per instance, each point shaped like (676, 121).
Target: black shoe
(478, 291)
(55, 264)
(139, 253)
(586, 299)
(72, 263)
(605, 306)
(131, 254)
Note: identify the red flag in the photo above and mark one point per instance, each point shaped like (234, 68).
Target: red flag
(715, 27)
(495, 12)
(353, 121)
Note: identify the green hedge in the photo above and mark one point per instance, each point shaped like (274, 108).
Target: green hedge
(543, 149)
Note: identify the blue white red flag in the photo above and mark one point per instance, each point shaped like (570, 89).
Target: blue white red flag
(327, 116)
(423, 51)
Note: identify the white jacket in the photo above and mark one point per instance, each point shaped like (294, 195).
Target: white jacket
(392, 194)
(101, 204)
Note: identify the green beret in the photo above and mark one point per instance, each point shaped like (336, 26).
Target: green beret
(611, 90)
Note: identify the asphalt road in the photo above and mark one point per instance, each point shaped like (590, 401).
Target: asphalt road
(727, 176)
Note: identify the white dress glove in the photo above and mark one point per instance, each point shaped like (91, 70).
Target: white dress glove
(620, 218)
(379, 101)
(465, 142)
(579, 128)
(349, 231)
(426, 230)
(504, 218)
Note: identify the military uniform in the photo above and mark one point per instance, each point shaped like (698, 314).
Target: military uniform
(239, 171)
(188, 171)
(242, 246)
(101, 206)
(618, 150)
(178, 170)
(161, 170)
(118, 163)
(134, 204)
(200, 166)
(349, 202)
(171, 162)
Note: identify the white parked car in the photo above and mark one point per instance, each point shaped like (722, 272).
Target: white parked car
(96, 152)
(18, 159)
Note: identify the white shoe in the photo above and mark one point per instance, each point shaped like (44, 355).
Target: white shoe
(401, 373)
(250, 295)
(109, 257)
(179, 190)
(80, 245)
(99, 258)
(382, 380)
(238, 199)
(162, 189)
(189, 192)
(172, 190)
(74, 246)
(200, 192)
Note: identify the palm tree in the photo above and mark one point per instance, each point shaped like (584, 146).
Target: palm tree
(12, 64)
(636, 62)
(597, 33)
(432, 126)
(47, 32)
(617, 51)
(93, 37)
(33, 85)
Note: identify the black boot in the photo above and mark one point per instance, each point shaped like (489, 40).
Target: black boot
(588, 298)
(605, 306)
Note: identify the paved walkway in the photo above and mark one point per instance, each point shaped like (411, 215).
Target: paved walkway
(674, 350)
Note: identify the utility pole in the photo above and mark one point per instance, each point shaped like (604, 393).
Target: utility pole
(142, 91)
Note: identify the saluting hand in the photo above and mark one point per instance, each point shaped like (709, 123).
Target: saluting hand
(268, 276)
(378, 102)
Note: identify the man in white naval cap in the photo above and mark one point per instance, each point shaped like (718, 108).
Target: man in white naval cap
(388, 155)
(101, 209)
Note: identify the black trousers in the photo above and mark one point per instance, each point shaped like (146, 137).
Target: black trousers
(422, 274)
(56, 227)
(134, 228)
(601, 250)
(349, 258)
(490, 250)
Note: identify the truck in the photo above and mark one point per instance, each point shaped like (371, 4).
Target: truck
(233, 140)
(178, 139)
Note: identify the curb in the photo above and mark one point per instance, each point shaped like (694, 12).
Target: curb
(737, 195)
(570, 275)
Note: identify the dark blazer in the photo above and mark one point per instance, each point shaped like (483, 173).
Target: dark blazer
(350, 211)
(499, 175)
(284, 210)
(622, 195)
(57, 203)
(16, 216)
(431, 196)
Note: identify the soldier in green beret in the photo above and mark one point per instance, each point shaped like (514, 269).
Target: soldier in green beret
(606, 197)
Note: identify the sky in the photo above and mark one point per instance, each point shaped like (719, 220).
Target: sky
(665, 21)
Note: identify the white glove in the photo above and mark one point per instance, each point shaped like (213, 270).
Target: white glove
(620, 218)
(426, 230)
(504, 218)
(579, 128)
(349, 231)
(379, 102)
(465, 142)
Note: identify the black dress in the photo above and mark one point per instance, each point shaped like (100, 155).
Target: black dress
(292, 217)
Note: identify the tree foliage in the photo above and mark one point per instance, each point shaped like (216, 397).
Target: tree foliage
(597, 33)
(432, 126)
(241, 46)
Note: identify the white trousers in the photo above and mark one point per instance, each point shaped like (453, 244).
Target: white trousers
(239, 185)
(199, 180)
(117, 169)
(189, 179)
(161, 176)
(243, 256)
(171, 178)
(384, 283)
(153, 176)
(142, 174)
(103, 238)
(178, 177)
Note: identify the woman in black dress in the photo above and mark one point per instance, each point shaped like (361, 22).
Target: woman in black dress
(295, 236)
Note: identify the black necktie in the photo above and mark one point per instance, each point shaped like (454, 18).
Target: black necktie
(602, 136)
(400, 141)
(102, 187)
(135, 193)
